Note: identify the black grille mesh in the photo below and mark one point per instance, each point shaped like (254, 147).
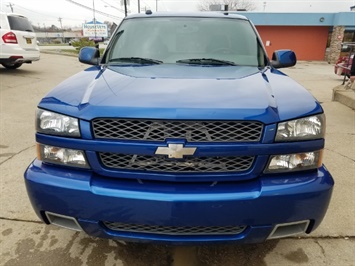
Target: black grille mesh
(160, 130)
(160, 163)
(175, 230)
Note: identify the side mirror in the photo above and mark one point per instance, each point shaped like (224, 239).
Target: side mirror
(89, 55)
(283, 58)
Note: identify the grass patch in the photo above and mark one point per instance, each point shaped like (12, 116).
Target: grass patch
(71, 51)
(53, 44)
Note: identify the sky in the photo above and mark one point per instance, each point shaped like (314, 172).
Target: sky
(73, 13)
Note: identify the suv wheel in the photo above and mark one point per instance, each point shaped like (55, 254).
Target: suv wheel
(12, 66)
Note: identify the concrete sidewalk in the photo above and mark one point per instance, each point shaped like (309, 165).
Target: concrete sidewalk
(344, 95)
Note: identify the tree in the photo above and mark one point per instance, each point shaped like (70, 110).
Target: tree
(108, 23)
(53, 28)
(233, 5)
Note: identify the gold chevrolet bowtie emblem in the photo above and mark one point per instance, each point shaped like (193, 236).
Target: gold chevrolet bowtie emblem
(175, 151)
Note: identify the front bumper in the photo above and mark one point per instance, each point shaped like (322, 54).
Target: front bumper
(259, 204)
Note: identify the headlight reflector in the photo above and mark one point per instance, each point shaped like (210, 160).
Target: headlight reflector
(294, 162)
(312, 127)
(62, 156)
(56, 124)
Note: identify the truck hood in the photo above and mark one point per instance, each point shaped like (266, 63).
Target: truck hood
(182, 92)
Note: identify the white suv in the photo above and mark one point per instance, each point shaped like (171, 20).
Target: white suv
(18, 42)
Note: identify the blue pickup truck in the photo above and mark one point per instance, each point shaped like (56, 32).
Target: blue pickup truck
(182, 131)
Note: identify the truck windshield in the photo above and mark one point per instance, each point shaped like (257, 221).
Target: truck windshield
(186, 40)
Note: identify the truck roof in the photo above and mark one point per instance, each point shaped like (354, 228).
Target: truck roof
(204, 14)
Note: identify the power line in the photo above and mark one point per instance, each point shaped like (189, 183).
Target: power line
(109, 5)
(45, 15)
(97, 11)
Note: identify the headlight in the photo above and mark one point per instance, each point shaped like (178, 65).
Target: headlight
(312, 127)
(62, 156)
(294, 162)
(56, 124)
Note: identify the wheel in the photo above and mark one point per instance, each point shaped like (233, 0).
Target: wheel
(12, 66)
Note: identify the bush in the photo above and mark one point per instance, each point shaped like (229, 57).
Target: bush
(78, 44)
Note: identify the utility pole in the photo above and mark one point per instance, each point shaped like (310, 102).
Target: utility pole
(61, 26)
(125, 3)
(45, 32)
(156, 5)
(11, 6)
(139, 6)
(95, 40)
(60, 21)
(125, 8)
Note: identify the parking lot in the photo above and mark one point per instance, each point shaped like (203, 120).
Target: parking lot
(24, 240)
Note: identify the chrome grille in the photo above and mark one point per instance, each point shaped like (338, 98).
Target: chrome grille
(175, 230)
(189, 164)
(160, 130)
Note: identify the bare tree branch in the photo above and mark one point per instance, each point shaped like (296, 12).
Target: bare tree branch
(233, 5)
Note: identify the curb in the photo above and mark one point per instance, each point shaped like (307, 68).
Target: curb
(344, 95)
(58, 52)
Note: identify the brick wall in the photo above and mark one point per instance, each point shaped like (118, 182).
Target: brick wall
(335, 44)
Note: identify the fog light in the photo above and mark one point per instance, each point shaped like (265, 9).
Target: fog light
(294, 162)
(62, 156)
(289, 229)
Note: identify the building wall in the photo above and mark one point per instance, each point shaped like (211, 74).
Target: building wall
(335, 44)
(308, 42)
(65, 34)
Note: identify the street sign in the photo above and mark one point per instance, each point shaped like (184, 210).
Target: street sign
(95, 30)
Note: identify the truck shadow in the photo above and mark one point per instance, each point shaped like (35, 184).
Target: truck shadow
(49, 245)
(138, 254)
(235, 255)
(16, 72)
(212, 255)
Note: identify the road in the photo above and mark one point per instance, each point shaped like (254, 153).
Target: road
(24, 240)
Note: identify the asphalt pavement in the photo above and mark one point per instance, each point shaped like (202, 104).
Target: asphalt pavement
(24, 240)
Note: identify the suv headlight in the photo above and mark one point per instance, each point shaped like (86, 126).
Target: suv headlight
(52, 123)
(312, 127)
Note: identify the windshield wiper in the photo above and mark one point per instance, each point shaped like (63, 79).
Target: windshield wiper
(206, 61)
(138, 60)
